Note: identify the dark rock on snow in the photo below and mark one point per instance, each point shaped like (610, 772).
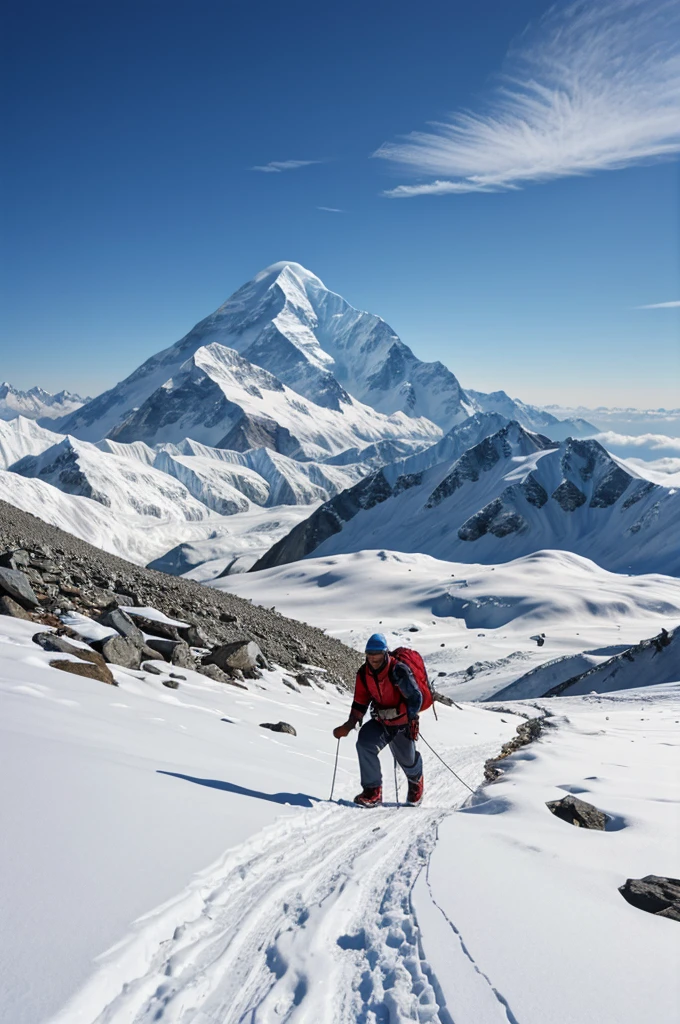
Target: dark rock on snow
(117, 619)
(578, 812)
(152, 669)
(118, 650)
(91, 670)
(172, 684)
(213, 672)
(656, 894)
(279, 727)
(163, 647)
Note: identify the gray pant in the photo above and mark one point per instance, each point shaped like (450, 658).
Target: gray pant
(374, 737)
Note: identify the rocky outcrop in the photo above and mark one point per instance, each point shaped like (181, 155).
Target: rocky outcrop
(526, 732)
(578, 812)
(67, 574)
(656, 894)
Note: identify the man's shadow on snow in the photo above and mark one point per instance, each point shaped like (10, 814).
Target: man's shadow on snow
(296, 799)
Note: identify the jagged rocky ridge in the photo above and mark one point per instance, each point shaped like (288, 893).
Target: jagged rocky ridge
(66, 574)
(512, 493)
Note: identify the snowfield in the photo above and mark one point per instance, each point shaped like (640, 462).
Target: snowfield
(478, 625)
(193, 870)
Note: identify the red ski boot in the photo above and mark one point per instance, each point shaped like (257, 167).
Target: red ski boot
(370, 796)
(415, 791)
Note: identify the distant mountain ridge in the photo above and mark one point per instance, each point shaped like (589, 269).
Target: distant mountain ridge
(37, 404)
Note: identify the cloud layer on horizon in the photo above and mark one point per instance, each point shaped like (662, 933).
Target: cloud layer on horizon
(660, 305)
(592, 86)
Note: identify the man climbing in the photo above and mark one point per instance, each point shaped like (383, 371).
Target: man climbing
(389, 686)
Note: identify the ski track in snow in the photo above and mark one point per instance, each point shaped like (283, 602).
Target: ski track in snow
(309, 921)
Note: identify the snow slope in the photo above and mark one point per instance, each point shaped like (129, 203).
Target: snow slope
(232, 546)
(476, 624)
(178, 800)
(139, 538)
(539, 932)
(511, 494)
(121, 484)
(21, 436)
(195, 870)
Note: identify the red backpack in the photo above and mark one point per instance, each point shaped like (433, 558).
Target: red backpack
(417, 666)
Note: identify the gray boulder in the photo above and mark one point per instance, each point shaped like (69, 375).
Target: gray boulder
(193, 636)
(162, 646)
(16, 585)
(172, 684)
(8, 606)
(279, 727)
(657, 894)
(213, 672)
(242, 654)
(14, 559)
(149, 667)
(182, 656)
(118, 650)
(116, 618)
(54, 642)
(160, 629)
(578, 812)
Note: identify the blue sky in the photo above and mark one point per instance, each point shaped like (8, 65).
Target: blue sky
(131, 208)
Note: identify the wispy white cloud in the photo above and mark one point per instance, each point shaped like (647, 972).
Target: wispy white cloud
(593, 86)
(329, 209)
(660, 305)
(276, 166)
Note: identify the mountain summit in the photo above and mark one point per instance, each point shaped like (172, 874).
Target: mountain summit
(286, 321)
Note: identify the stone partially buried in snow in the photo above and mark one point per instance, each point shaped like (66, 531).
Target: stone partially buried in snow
(119, 650)
(15, 584)
(242, 654)
(656, 894)
(119, 620)
(578, 812)
(278, 727)
(91, 670)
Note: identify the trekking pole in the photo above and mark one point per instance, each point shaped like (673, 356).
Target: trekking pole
(396, 784)
(337, 752)
(445, 764)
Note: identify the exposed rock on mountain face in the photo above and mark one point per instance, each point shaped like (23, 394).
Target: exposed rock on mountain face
(219, 398)
(656, 660)
(287, 322)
